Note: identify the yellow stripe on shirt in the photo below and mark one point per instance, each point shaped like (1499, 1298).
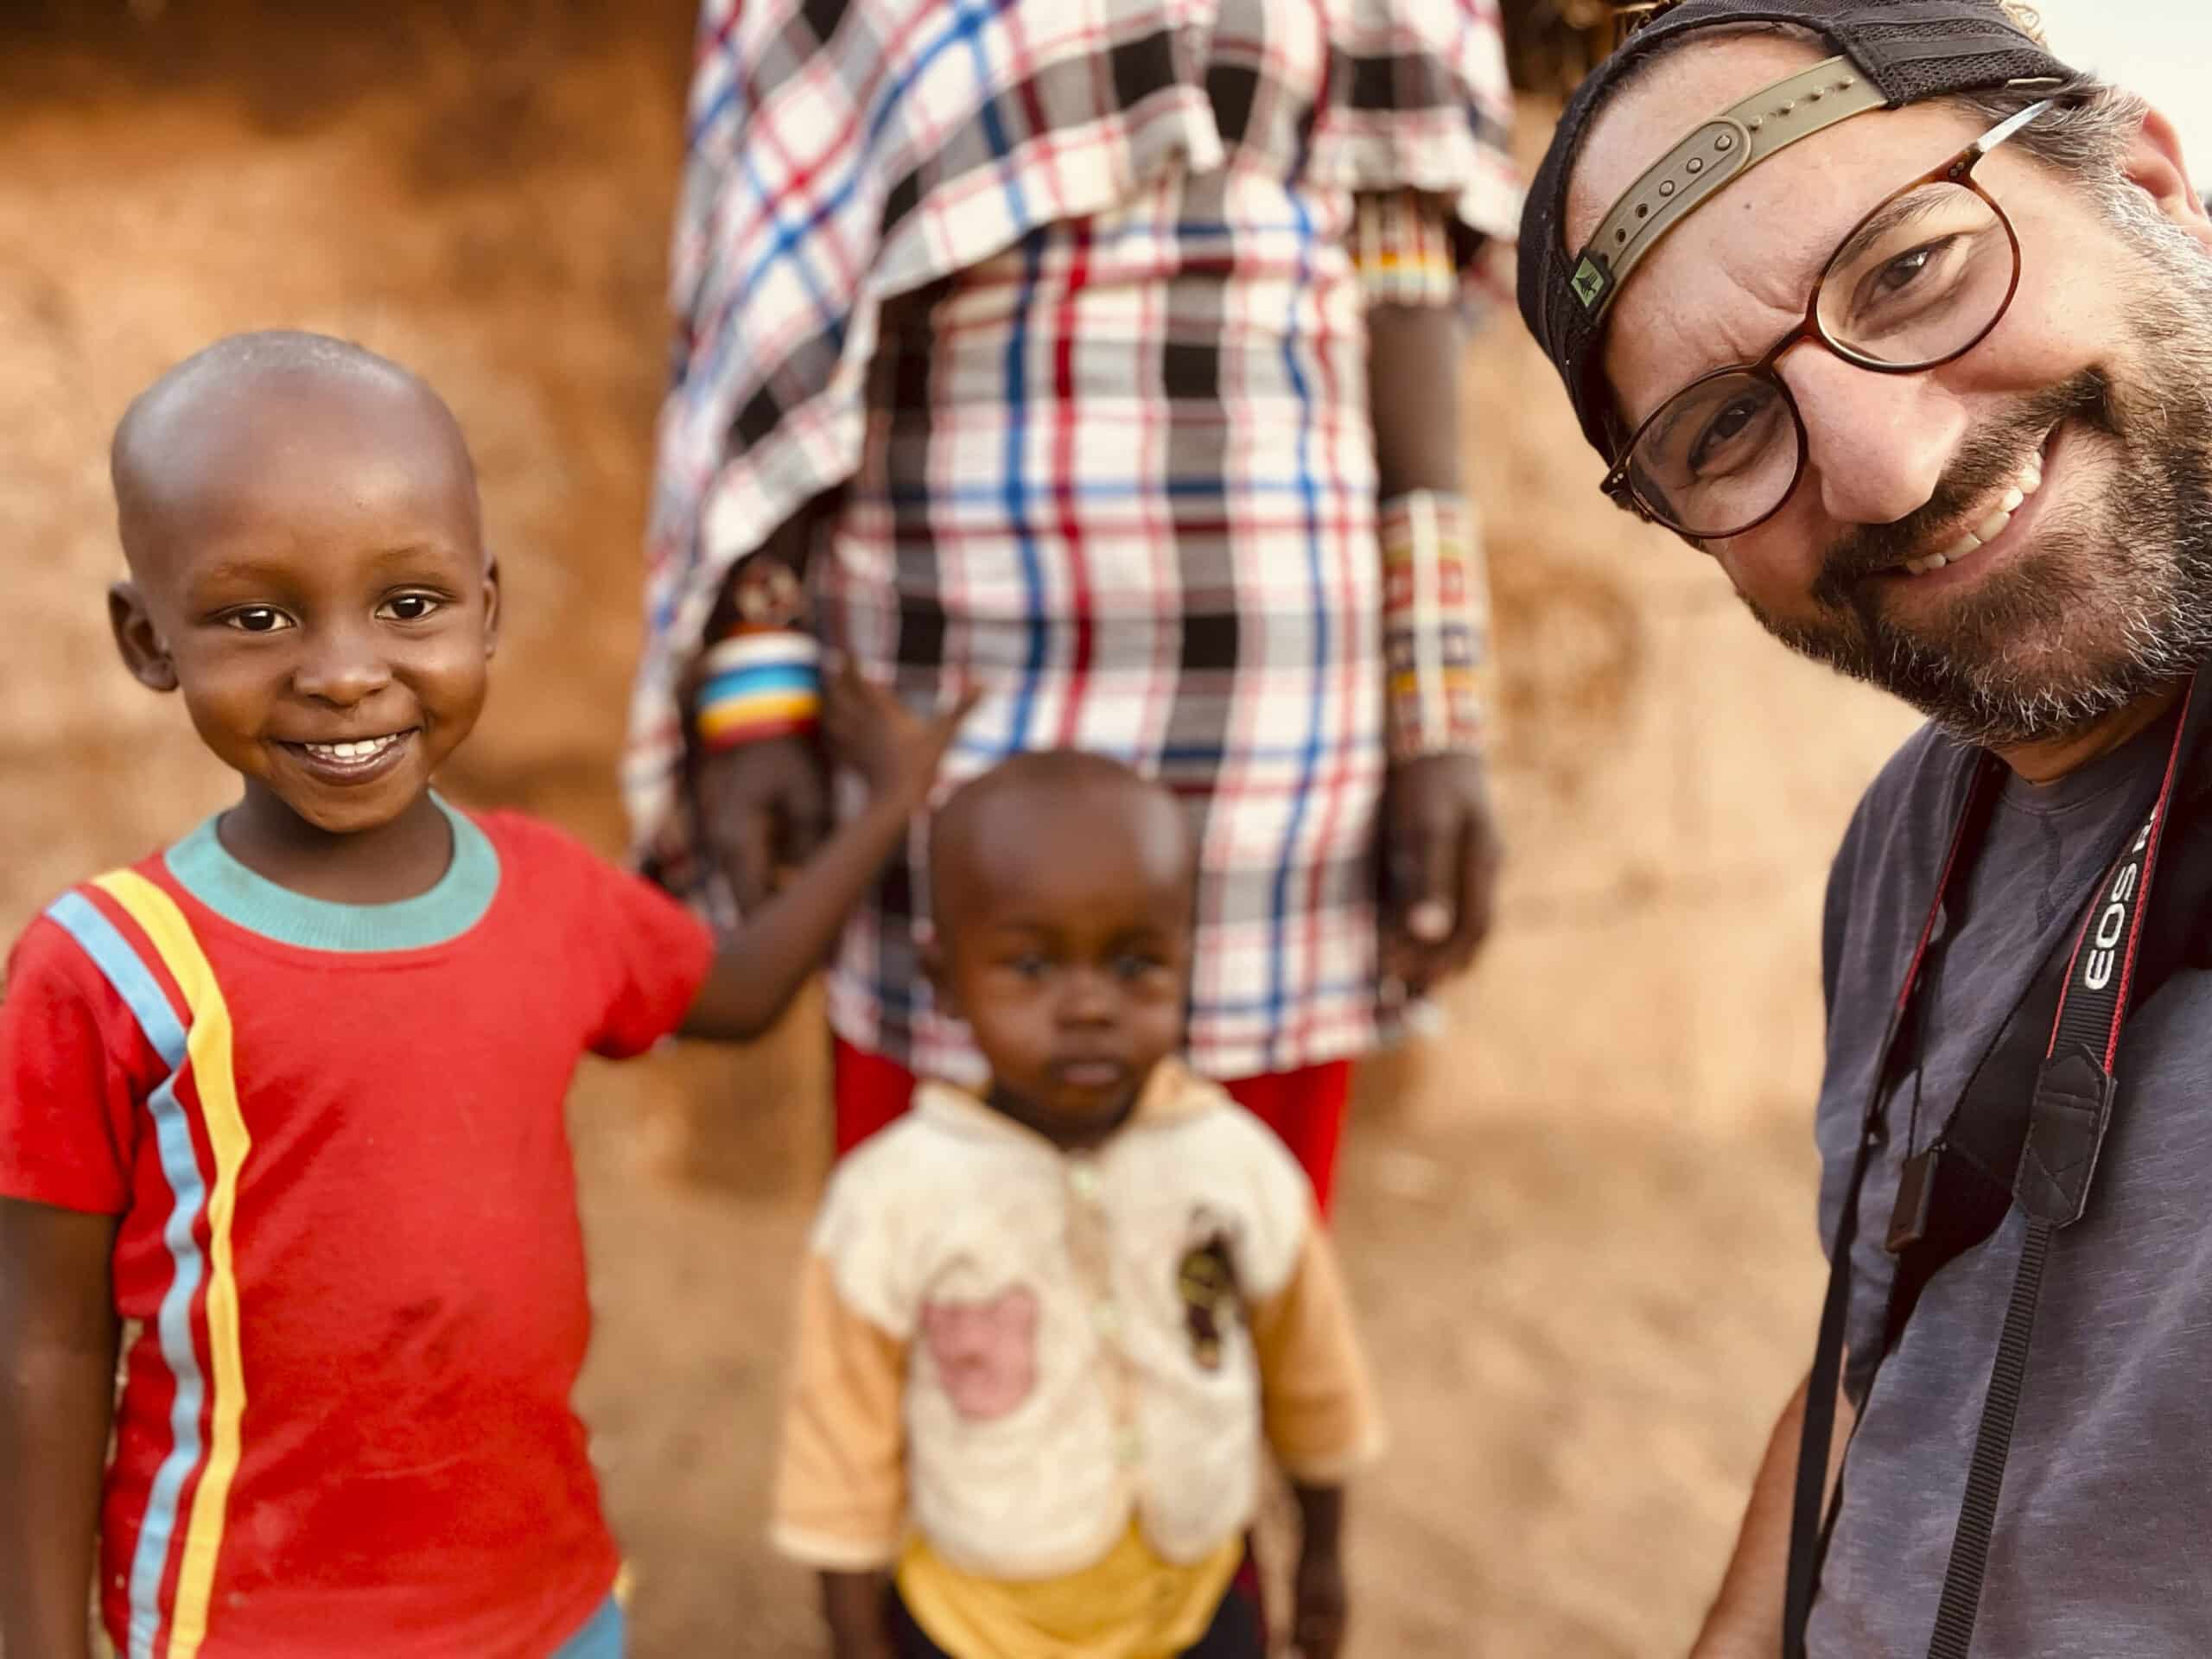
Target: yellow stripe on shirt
(215, 1082)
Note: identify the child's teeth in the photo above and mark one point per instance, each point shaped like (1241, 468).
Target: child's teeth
(356, 751)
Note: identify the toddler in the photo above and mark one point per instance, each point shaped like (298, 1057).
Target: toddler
(1045, 1328)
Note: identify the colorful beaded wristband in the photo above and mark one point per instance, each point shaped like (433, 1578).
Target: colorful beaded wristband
(1435, 625)
(758, 684)
(1402, 251)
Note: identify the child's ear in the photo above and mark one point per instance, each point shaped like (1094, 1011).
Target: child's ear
(936, 970)
(491, 605)
(138, 639)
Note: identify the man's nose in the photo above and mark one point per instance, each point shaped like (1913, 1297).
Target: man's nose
(1877, 445)
(342, 666)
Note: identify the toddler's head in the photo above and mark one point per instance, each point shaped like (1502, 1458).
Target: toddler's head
(308, 567)
(1061, 888)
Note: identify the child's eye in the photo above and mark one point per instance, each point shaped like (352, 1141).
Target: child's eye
(257, 619)
(1134, 966)
(409, 608)
(1030, 967)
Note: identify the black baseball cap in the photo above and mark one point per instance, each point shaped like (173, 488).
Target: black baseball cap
(1889, 53)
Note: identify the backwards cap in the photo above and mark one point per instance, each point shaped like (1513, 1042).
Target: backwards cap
(1890, 52)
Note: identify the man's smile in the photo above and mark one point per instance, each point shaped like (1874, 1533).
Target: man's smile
(1988, 526)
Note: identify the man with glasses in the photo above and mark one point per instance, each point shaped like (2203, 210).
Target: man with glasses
(1909, 327)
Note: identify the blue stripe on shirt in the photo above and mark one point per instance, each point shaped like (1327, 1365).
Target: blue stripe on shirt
(125, 969)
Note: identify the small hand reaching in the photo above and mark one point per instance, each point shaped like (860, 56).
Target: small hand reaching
(895, 750)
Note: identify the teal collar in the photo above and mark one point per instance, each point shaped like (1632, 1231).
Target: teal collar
(206, 869)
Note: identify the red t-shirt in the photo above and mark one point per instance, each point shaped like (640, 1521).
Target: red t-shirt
(333, 1138)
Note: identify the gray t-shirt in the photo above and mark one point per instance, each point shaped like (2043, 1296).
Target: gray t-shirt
(2103, 1544)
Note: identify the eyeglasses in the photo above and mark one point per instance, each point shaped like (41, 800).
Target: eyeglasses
(1917, 283)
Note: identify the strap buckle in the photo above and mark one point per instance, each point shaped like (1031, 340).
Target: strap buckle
(1916, 1203)
(2066, 1121)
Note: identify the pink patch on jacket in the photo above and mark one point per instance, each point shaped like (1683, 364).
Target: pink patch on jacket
(985, 1352)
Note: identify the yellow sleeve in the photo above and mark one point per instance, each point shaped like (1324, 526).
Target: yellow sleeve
(1316, 1396)
(841, 1476)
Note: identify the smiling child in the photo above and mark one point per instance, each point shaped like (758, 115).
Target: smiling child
(289, 1094)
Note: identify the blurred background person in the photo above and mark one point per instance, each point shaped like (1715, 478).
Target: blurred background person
(1107, 357)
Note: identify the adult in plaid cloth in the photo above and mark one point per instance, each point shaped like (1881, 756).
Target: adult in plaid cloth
(1097, 351)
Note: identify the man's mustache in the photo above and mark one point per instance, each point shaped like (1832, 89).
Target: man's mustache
(1990, 458)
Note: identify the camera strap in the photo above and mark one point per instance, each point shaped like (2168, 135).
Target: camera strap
(2071, 1090)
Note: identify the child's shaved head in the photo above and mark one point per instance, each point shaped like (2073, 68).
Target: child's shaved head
(1055, 804)
(226, 407)
(308, 567)
(1060, 891)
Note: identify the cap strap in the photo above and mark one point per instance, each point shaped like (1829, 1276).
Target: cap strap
(1739, 137)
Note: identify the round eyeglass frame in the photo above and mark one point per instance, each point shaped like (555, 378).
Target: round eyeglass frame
(1959, 170)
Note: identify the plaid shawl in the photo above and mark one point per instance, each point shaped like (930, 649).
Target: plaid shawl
(843, 152)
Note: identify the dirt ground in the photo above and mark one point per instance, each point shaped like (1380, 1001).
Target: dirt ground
(1577, 1223)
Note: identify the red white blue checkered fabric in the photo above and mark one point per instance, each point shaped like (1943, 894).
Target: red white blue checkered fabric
(1056, 292)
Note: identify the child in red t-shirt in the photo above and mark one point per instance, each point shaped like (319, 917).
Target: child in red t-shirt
(288, 1094)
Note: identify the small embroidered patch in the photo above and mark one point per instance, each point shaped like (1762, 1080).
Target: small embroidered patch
(1589, 282)
(1207, 1281)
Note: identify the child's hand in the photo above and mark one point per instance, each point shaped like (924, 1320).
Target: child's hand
(1318, 1627)
(894, 750)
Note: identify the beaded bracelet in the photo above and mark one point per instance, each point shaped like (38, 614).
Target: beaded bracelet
(1435, 625)
(1402, 251)
(758, 684)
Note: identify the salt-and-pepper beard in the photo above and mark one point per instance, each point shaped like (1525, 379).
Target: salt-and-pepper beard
(2114, 597)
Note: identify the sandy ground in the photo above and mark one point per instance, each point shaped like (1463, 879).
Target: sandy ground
(1578, 1225)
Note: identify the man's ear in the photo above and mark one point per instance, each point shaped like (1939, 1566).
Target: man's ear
(2154, 165)
(937, 970)
(138, 639)
(491, 605)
